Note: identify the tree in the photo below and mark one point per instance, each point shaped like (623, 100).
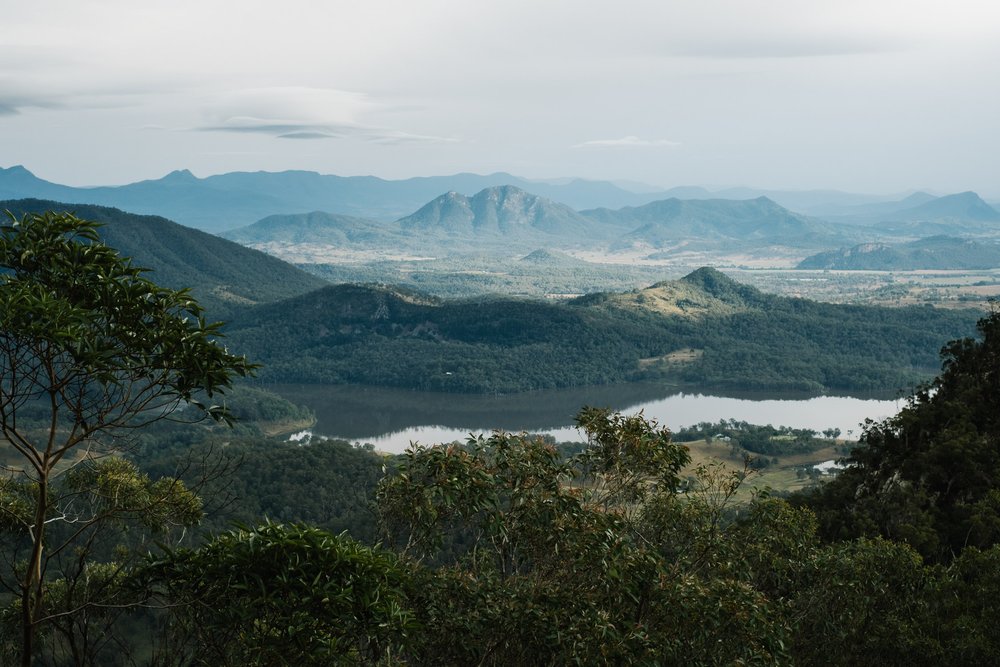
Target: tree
(930, 475)
(284, 594)
(600, 559)
(89, 349)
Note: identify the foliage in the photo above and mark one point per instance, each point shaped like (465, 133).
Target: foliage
(861, 603)
(264, 409)
(764, 440)
(283, 594)
(965, 604)
(530, 557)
(223, 276)
(329, 484)
(549, 561)
(929, 476)
(108, 512)
(385, 336)
(95, 348)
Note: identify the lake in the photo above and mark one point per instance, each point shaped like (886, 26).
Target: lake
(390, 419)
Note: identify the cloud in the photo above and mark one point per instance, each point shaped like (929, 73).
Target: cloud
(12, 105)
(397, 137)
(784, 46)
(630, 141)
(286, 129)
(305, 135)
(304, 113)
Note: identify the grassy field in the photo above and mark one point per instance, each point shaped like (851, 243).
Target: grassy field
(783, 476)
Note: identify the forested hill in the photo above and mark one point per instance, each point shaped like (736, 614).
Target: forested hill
(704, 330)
(935, 252)
(224, 276)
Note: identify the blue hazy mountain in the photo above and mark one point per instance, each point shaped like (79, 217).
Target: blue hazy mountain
(759, 220)
(504, 210)
(964, 208)
(508, 217)
(320, 228)
(961, 207)
(936, 252)
(237, 199)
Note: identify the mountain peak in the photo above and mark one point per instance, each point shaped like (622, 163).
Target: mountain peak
(961, 206)
(550, 258)
(709, 278)
(720, 286)
(495, 210)
(180, 175)
(17, 174)
(503, 193)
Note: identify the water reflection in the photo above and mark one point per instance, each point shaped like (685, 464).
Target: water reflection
(391, 418)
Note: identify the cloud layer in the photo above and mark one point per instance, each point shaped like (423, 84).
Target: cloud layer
(629, 141)
(857, 94)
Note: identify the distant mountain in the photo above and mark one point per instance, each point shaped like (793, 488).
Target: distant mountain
(675, 220)
(506, 218)
(505, 210)
(500, 218)
(937, 252)
(318, 228)
(703, 330)
(818, 203)
(922, 213)
(224, 276)
(961, 207)
(18, 183)
(551, 259)
(237, 199)
(861, 214)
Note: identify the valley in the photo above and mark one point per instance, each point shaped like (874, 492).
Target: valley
(499, 334)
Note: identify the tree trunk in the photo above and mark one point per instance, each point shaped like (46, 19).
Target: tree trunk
(31, 589)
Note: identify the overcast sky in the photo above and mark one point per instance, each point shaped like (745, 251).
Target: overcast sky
(871, 96)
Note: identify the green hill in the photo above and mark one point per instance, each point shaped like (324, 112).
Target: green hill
(224, 276)
(936, 252)
(704, 331)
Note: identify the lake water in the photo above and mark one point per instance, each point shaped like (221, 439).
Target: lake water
(390, 419)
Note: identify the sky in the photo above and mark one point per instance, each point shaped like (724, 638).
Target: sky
(877, 96)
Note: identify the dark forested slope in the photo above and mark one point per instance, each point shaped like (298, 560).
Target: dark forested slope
(224, 276)
(703, 330)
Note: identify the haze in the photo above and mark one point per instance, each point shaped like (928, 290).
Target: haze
(874, 96)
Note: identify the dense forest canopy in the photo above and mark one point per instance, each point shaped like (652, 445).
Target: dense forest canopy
(741, 338)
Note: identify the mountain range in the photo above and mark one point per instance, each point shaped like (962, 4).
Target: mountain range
(964, 208)
(506, 217)
(759, 220)
(237, 199)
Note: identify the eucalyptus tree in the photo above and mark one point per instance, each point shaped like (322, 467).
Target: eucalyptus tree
(89, 350)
